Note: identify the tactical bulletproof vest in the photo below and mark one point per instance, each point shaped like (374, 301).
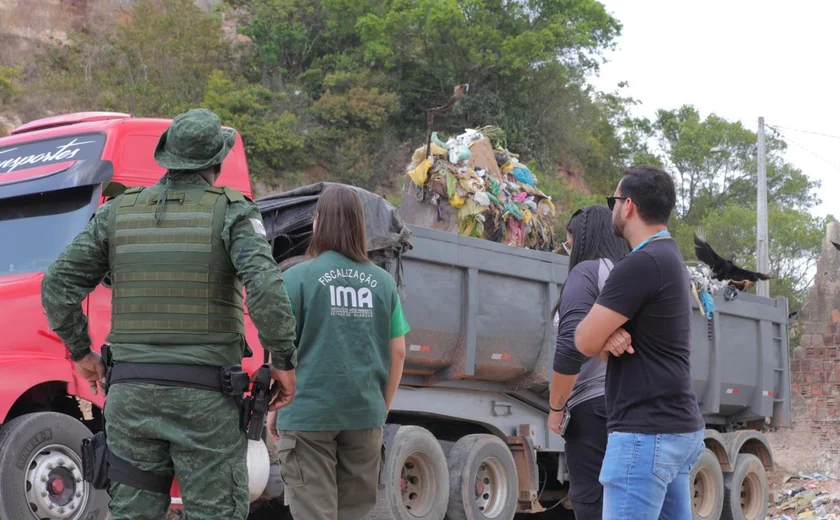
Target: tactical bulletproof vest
(172, 278)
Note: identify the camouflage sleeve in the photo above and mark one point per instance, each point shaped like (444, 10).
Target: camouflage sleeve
(68, 281)
(268, 304)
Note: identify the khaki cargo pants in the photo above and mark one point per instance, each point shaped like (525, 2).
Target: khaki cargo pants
(330, 475)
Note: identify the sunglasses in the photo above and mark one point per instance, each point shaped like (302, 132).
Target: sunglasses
(611, 201)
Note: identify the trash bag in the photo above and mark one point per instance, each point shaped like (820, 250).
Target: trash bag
(523, 174)
(420, 153)
(456, 201)
(482, 198)
(438, 142)
(459, 153)
(288, 220)
(420, 173)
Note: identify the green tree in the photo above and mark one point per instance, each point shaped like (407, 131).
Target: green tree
(713, 162)
(377, 66)
(155, 64)
(270, 129)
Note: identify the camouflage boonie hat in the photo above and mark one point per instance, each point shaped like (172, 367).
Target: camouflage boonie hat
(195, 140)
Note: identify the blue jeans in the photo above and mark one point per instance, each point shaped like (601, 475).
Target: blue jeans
(646, 476)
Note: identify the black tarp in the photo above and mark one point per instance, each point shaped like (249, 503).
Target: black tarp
(288, 220)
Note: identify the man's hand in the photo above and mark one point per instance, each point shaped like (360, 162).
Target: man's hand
(618, 343)
(285, 388)
(92, 369)
(555, 419)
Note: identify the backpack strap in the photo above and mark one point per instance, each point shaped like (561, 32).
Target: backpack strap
(604, 268)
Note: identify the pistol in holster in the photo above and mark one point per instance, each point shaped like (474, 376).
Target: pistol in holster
(256, 405)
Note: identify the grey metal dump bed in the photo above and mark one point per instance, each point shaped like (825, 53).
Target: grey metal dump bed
(479, 311)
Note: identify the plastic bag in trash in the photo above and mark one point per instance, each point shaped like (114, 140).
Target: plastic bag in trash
(451, 182)
(545, 208)
(523, 174)
(514, 210)
(459, 153)
(420, 174)
(482, 197)
(456, 201)
(526, 217)
(438, 142)
(470, 222)
(420, 153)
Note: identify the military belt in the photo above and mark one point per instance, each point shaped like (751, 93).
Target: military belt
(219, 379)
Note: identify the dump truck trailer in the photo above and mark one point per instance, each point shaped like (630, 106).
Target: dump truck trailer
(467, 434)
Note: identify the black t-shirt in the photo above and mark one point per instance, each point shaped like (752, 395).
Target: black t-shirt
(651, 391)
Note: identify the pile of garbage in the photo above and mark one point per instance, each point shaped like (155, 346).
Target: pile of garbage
(705, 288)
(808, 499)
(495, 197)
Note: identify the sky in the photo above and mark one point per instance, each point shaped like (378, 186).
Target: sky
(739, 59)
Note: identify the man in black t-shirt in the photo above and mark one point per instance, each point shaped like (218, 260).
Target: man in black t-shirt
(655, 426)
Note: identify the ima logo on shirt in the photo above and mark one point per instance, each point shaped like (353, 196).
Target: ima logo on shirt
(348, 301)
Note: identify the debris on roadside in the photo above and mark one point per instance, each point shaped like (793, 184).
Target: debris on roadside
(808, 497)
(472, 185)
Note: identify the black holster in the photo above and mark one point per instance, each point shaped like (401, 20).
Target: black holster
(100, 465)
(95, 460)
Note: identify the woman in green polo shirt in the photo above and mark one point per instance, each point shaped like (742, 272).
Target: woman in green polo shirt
(351, 348)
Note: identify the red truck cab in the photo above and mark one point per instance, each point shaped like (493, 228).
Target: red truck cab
(52, 174)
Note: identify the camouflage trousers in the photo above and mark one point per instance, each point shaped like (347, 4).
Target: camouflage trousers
(193, 433)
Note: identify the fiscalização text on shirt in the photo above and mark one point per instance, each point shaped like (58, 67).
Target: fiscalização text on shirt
(346, 300)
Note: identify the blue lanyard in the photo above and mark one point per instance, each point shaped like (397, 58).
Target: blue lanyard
(663, 233)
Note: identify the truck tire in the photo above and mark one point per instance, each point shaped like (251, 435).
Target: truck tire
(706, 487)
(745, 491)
(41, 468)
(415, 478)
(483, 482)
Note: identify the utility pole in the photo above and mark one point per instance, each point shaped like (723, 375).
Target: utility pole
(763, 286)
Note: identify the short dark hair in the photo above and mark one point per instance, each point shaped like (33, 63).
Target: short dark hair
(652, 191)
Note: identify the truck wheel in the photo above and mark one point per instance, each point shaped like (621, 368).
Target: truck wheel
(482, 479)
(706, 487)
(415, 478)
(41, 465)
(745, 491)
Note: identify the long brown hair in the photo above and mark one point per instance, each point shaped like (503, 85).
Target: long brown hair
(340, 224)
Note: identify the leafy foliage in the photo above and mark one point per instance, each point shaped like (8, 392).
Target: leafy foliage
(156, 64)
(9, 87)
(713, 162)
(266, 119)
(339, 89)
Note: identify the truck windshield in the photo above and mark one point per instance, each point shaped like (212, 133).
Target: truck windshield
(35, 229)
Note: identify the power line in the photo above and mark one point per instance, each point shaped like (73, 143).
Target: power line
(789, 140)
(808, 132)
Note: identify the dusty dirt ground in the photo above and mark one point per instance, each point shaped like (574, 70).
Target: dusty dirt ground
(805, 483)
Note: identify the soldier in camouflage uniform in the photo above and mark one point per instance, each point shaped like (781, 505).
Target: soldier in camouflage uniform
(178, 254)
